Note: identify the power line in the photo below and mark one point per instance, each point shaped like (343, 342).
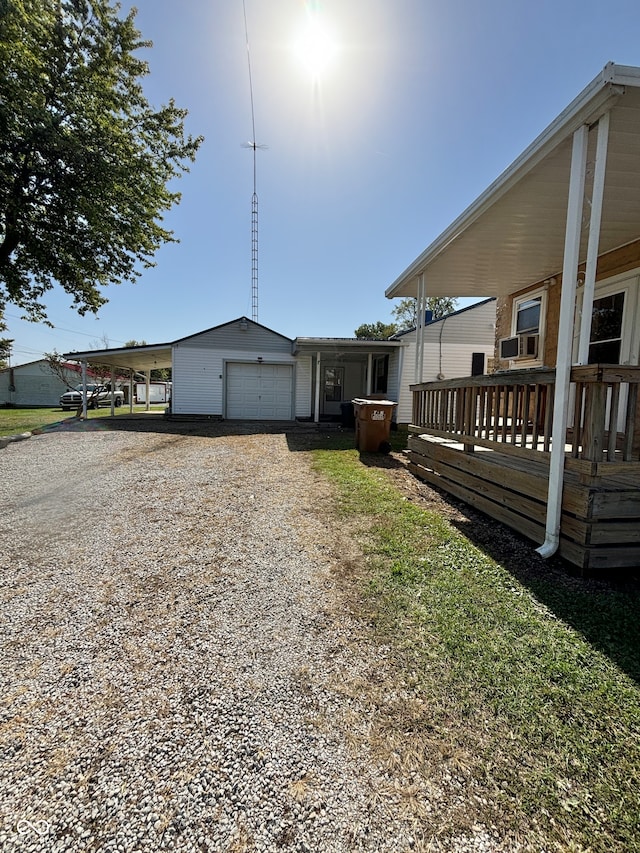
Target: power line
(27, 350)
(62, 329)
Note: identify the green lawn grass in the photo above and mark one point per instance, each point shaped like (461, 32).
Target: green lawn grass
(536, 685)
(16, 421)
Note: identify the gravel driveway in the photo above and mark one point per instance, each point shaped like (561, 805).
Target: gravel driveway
(173, 653)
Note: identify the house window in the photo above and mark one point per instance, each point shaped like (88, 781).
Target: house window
(528, 313)
(333, 384)
(606, 329)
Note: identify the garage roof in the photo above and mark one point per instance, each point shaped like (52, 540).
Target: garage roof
(513, 234)
(151, 356)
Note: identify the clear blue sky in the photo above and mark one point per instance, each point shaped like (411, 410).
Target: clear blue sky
(423, 104)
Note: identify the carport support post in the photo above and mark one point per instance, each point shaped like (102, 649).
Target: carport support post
(565, 341)
(130, 390)
(113, 392)
(148, 387)
(369, 373)
(84, 388)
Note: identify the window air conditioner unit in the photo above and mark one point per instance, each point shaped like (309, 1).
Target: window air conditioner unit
(519, 347)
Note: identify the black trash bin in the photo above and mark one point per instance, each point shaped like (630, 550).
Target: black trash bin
(347, 415)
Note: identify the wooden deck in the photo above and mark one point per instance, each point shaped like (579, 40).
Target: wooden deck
(487, 442)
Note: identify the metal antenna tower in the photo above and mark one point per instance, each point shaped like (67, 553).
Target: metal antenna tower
(254, 198)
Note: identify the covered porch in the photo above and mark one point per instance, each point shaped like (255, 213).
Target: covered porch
(488, 441)
(345, 368)
(549, 442)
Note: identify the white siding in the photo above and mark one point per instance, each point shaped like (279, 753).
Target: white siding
(197, 382)
(448, 349)
(198, 378)
(303, 380)
(396, 358)
(232, 336)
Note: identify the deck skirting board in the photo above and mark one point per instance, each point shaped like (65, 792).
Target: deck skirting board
(600, 526)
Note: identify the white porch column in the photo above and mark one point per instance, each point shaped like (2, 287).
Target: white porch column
(113, 392)
(147, 380)
(316, 411)
(84, 388)
(399, 386)
(565, 341)
(594, 238)
(421, 303)
(369, 373)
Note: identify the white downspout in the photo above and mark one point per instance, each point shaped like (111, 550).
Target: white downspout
(565, 340)
(316, 416)
(594, 239)
(84, 389)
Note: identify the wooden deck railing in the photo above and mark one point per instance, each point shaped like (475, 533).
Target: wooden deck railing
(606, 418)
(513, 412)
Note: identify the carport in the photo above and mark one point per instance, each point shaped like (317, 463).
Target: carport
(140, 359)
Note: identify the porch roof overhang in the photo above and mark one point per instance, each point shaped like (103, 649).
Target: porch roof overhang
(142, 358)
(513, 234)
(344, 346)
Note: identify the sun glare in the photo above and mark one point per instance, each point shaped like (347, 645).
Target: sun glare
(315, 47)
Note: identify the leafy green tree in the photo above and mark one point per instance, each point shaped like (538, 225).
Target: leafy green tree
(5, 346)
(85, 161)
(405, 310)
(378, 331)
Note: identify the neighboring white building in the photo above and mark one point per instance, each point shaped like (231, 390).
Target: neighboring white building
(457, 345)
(33, 384)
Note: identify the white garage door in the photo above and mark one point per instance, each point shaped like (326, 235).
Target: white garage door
(259, 391)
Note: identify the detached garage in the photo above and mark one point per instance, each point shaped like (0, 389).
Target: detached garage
(240, 370)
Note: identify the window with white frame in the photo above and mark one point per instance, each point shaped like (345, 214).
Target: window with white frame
(528, 315)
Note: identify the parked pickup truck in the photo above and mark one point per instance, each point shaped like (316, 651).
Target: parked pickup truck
(97, 395)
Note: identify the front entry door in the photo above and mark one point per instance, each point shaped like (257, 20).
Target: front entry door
(332, 390)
